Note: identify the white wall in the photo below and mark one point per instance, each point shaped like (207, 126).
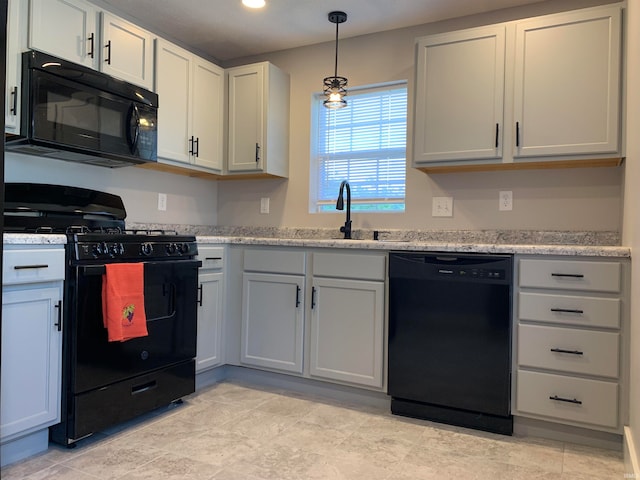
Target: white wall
(631, 231)
(190, 201)
(575, 199)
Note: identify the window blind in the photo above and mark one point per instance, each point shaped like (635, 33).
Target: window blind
(364, 143)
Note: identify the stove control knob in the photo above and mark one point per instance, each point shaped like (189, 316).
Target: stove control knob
(116, 249)
(183, 248)
(171, 248)
(96, 249)
(146, 249)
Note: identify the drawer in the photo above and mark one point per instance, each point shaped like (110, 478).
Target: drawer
(570, 275)
(30, 266)
(349, 265)
(587, 401)
(275, 261)
(212, 258)
(592, 353)
(569, 309)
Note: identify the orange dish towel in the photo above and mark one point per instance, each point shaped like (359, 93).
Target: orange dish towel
(123, 301)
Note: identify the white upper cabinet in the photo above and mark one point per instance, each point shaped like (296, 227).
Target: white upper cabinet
(191, 112)
(258, 140)
(545, 89)
(16, 43)
(127, 51)
(67, 29)
(567, 84)
(459, 95)
(79, 32)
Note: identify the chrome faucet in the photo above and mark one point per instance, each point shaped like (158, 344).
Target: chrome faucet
(346, 229)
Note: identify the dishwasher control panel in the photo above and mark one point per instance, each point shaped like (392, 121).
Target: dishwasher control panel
(476, 273)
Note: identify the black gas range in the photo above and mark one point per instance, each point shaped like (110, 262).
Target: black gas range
(108, 382)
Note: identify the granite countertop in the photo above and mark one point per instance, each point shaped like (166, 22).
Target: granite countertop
(408, 245)
(33, 239)
(589, 243)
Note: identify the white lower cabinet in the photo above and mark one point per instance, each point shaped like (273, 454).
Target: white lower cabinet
(272, 321)
(572, 317)
(210, 308)
(31, 345)
(347, 322)
(336, 335)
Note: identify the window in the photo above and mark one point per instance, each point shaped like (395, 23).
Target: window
(364, 143)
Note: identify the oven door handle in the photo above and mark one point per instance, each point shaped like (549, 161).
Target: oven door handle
(93, 270)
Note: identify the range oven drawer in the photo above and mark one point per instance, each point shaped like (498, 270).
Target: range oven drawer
(95, 410)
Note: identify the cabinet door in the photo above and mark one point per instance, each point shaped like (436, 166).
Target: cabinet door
(16, 44)
(246, 117)
(207, 110)
(31, 359)
(272, 321)
(209, 344)
(347, 325)
(459, 95)
(567, 81)
(127, 51)
(173, 85)
(66, 29)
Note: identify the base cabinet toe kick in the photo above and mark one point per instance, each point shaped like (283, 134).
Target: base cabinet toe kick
(571, 347)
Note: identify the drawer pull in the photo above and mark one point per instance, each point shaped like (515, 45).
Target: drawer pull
(30, 267)
(567, 310)
(213, 258)
(567, 400)
(568, 275)
(572, 352)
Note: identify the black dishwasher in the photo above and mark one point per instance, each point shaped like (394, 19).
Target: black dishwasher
(450, 338)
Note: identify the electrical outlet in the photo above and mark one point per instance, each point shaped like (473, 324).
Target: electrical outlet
(442, 207)
(506, 200)
(264, 205)
(162, 202)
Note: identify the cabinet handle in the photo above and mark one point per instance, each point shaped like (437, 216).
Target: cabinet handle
(560, 399)
(108, 47)
(213, 258)
(197, 146)
(497, 133)
(59, 322)
(561, 350)
(297, 296)
(200, 295)
(14, 102)
(517, 134)
(257, 152)
(568, 275)
(313, 297)
(91, 40)
(567, 310)
(30, 267)
(191, 145)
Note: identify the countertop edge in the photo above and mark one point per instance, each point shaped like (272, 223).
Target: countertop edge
(575, 250)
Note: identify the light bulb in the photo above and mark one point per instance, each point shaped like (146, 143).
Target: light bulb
(253, 3)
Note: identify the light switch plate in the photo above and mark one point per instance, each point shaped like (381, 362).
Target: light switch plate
(162, 202)
(264, 205)
(442, 207)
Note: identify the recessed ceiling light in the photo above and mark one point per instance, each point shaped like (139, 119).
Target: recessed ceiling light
(253, 3)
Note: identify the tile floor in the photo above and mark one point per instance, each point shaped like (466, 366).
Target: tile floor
(232, 431)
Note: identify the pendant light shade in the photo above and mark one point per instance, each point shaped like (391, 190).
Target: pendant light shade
(335, 88)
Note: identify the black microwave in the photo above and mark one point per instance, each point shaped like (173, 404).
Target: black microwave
(74, 113)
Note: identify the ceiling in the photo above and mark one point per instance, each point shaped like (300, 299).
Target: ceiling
(225, 29)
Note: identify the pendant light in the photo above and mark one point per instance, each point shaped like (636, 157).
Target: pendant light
(335, 87)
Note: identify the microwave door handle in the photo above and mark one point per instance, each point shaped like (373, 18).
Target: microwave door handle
(134, 126)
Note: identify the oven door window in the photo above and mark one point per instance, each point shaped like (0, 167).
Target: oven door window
(170, 304)
(69, 113)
